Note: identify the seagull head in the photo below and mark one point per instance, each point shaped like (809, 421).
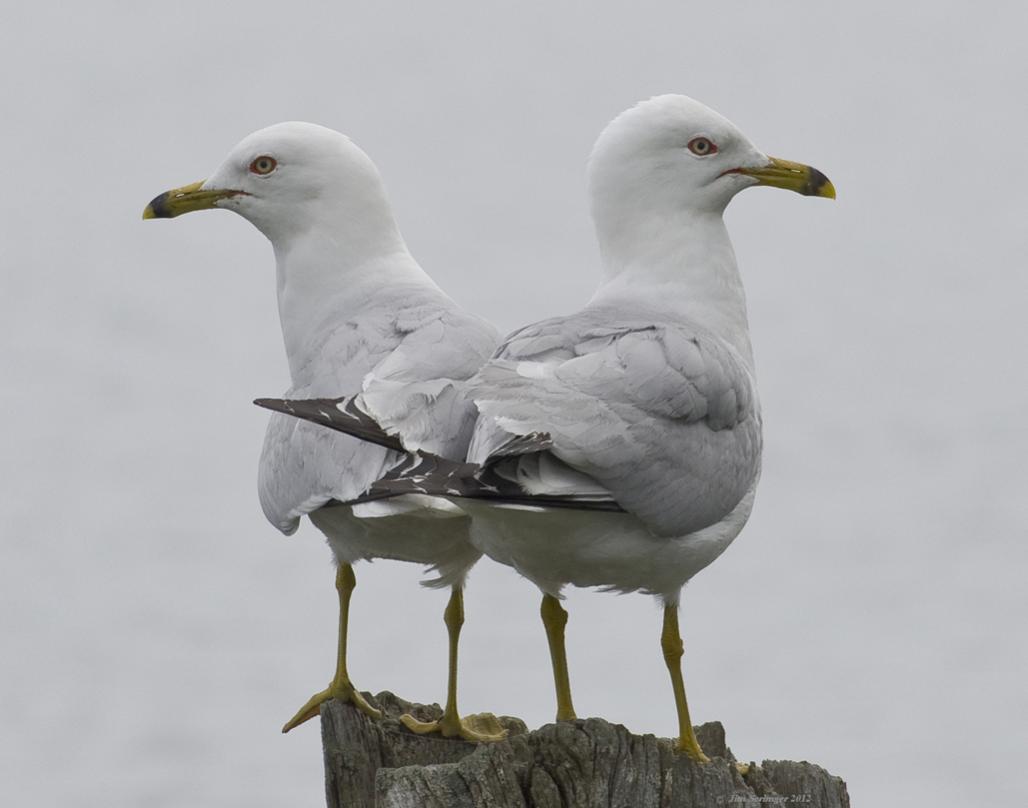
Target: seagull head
(671, 154)
(288, 179)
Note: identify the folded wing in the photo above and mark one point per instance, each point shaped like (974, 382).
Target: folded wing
(662, 417)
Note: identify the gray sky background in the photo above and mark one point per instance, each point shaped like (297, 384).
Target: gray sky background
(157, 631)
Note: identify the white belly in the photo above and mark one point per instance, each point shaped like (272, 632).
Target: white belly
(414, 528)
(557, 546)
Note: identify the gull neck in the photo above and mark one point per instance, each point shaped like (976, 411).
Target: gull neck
(683, 266)
(325, 281)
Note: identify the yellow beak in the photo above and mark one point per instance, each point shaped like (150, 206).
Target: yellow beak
(185, 200)
(792, 177)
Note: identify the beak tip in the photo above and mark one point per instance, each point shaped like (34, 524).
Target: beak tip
(182, 200)
(158, 208)
(820, 185)
(790, 176)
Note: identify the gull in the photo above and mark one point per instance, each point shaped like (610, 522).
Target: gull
(620, 447)
(357, 313)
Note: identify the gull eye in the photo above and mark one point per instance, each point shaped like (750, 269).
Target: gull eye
(702, 146)
(263, 165)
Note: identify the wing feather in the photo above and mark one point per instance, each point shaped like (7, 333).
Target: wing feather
(662, 416)
(393, 351)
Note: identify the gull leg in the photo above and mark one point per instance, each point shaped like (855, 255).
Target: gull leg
(479, 727)
(671, 644)
(554, 619)
(340, 688)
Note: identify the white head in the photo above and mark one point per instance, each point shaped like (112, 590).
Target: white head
(289, 179)
(671, 157)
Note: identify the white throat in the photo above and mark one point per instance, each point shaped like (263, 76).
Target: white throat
(330, 274)
(684, 266)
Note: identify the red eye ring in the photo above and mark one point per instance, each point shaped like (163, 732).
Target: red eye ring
(702, 146)
(263, 165)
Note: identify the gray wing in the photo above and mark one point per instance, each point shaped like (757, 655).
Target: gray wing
(419, 391)
(303, 466)
(419, 354)
(662, 416)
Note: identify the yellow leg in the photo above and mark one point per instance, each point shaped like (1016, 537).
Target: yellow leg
(555, 618)
(480, 727)
(671, 643)
(340, 688)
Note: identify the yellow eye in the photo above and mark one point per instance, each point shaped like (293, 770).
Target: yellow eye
(702, 146)
(263, 165)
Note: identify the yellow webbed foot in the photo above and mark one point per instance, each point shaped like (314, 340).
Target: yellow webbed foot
(341, 691)
(341, 688)
(479, 727)
(691, 747)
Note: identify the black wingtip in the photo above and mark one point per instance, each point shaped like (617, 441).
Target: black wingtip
(276, 404)
(341, 414)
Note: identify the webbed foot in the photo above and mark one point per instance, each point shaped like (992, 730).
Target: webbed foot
(479, 727)
(341, 691)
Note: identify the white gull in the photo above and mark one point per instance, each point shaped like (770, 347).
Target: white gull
(357, 313)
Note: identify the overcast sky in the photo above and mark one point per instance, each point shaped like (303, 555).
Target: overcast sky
(871, 617)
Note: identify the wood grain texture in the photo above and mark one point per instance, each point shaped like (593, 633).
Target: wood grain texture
(588, 763)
